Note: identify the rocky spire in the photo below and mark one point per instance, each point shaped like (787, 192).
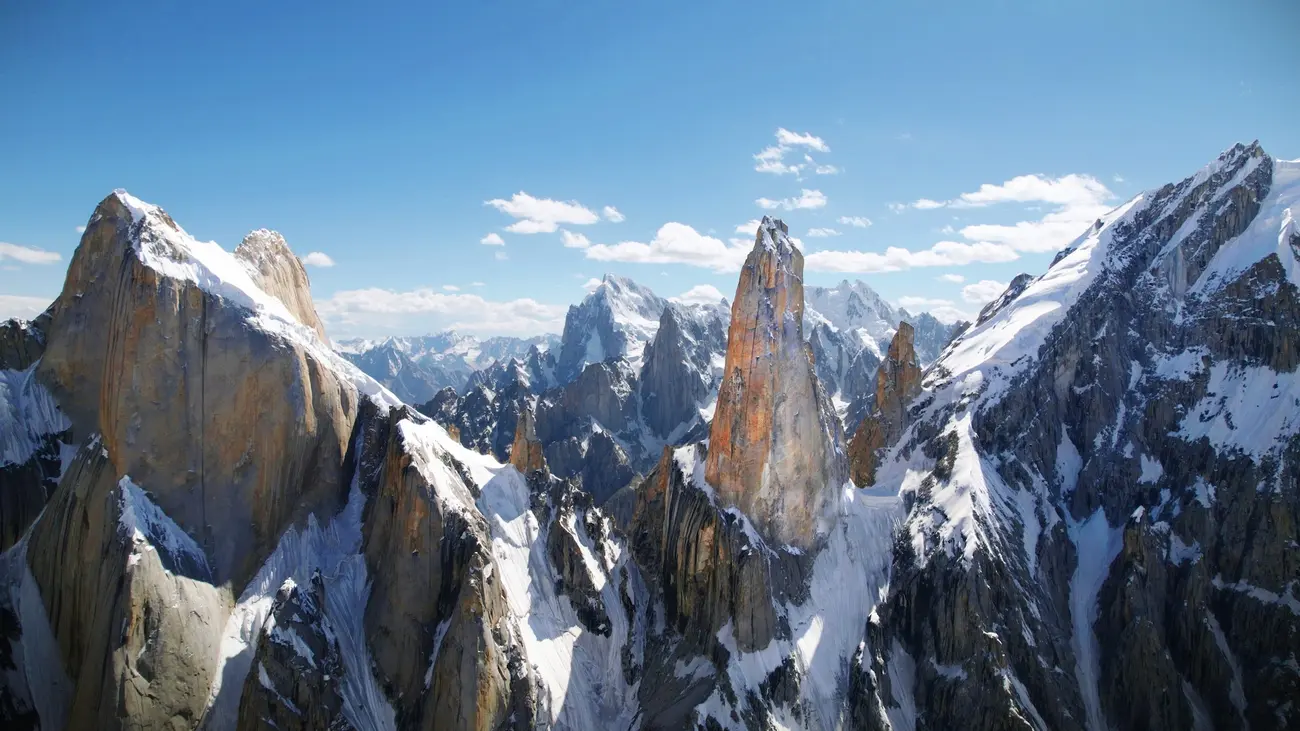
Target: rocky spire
(775, 447)
(897, 382)
(526, 452)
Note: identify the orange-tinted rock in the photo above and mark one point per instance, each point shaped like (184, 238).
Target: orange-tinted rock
(775, 446)
(897, 383)
(526, 453)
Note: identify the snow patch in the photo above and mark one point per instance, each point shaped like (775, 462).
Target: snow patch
(28, 413)
(1253, 410)
(1096, 545)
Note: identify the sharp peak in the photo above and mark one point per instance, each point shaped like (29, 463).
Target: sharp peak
(771, 223)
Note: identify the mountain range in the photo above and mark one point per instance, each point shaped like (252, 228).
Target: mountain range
(1078, 512)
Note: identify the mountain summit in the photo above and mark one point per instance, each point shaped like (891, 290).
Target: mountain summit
(776, 448)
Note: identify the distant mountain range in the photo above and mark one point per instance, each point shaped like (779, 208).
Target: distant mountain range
(849, 327)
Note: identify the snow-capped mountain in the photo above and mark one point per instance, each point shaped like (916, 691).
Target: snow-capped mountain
(616, 320)
(1082, 516)
(415, 368)
(1104, 468)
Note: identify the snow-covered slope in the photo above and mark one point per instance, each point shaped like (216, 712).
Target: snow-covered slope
(1090, 453)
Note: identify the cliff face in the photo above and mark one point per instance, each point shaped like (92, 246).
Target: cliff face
(171, 352)
(898, 380)
(776, 445)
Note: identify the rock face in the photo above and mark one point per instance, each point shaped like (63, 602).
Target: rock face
(129, 599)
(614, 321)
(897, 383)
(437, 620)
(298, 668)
(776, 445)
(280, 274)
(526, 452)
(33, 432)
(708, 565)
(236, 431)
(677, 376)
(1102, 491)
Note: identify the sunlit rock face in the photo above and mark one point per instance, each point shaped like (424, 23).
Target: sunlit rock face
(897, 381)
(775, 444)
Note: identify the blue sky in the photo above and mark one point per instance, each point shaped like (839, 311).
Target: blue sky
(974, 136)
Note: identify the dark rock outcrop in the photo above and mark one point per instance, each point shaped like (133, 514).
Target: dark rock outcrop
(298, 667)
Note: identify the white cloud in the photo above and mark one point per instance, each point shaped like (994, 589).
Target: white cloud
(1069, 190)
(954, 278)
(1119, 178)
(677, 243)
(821, 169)
(541, 215)
(451, 288)
(750, 227)
(318, 259)
(12, 305)
(700, 294)
(591, 284)
(789, 139)
(574, 241)
(1050, 233)
(27, 254)
(492, 239)
(948, 230)
(911, 302)
(855, 221)
(375, 311)
(943, 310)
(949, 314)
(983, 291)
(1079, 200)
(81, 229)
(612, 214)
(771, 159)
(501, 256)
(822, 232)
(477, 284)
(807, 199)
(895, 258)
(898, 207)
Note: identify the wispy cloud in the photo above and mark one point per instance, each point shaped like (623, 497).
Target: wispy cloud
(81, 229)
(822, 233)
(749, 228)
(895, 258)
(450, 288)
(591, 284)
(12, 305)
(492, 239)
(855, 221)
(954, 278)
(700, 294)
(983, 291)
(541, 215)
(771, 159)
(318, 259)
(477, 284)
(375, 311)
(28, 254)
(1078, 200)
(612, 214)
(501, 256)
(807, 199)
